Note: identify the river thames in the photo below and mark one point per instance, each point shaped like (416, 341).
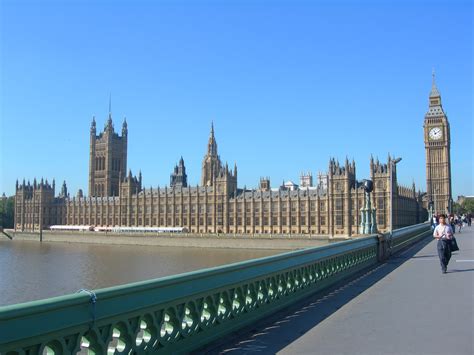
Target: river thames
(30, 270)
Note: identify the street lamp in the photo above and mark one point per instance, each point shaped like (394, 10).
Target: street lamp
(393, 162)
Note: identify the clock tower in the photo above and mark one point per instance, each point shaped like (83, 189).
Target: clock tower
(438, 156)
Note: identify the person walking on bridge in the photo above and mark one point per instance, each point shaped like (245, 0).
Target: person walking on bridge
(443, 234)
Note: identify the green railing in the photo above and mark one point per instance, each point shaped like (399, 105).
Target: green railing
(180, 313)
(408, 235)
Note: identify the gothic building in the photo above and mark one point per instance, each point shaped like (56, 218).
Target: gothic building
(217, 205)
(107, 159)
(438, 155)
(179, 178)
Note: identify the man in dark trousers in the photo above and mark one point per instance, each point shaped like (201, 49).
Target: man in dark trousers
(443, 233)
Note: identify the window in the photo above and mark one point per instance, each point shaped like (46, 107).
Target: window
(380, 203)
(293, 206)
(338, 204)
(323, 220)
(338, 220)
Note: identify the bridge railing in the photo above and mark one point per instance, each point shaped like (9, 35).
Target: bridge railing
(408, 235)
(180, 313)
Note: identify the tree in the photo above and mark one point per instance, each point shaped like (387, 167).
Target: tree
(458, 208)
(468, 205)
(7, 206)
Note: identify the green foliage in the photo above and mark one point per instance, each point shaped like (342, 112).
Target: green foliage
(7, 207)
(457, 208)
(468, 205)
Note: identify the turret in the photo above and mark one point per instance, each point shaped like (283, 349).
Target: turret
(124, 127)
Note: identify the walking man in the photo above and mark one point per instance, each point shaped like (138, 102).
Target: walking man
(443, 233)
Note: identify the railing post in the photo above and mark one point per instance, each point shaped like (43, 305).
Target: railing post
(382, 248)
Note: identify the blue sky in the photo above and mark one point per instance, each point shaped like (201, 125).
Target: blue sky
(288, 84)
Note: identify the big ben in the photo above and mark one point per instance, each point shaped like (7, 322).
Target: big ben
(438, 156)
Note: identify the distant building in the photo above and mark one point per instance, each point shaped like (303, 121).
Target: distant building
(289, 186)
(461, 199)
(306, 180)
(179, 178)
(265, 184)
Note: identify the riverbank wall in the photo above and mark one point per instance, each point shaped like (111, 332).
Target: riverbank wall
(258, 241)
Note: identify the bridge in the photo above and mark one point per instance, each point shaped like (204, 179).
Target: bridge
(345, 297)
(402, 306)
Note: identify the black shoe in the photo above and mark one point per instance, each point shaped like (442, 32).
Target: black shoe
(444, 272)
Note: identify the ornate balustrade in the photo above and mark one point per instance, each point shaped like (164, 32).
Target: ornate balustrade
(180, 313)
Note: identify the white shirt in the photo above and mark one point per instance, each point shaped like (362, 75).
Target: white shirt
(443, 231)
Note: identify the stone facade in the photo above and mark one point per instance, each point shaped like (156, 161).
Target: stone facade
(438, 154)
(217, 205)
(107, 159)
(179, 178)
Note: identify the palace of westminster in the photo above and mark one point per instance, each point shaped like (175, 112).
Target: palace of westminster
(331, 206)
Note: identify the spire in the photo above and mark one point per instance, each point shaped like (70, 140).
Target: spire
(124, 126)
(93, 126)
(434, 90)
(109, 121)
(212, 145)
(435, 96)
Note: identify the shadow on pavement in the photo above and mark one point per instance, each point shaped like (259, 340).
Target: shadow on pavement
(456, 270)
(274, 333)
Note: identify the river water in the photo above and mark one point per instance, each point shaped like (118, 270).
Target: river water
(31, 270)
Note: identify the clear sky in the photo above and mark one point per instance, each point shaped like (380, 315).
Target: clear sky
(288, 84)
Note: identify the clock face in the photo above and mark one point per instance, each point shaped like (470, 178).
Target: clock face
(436, 133)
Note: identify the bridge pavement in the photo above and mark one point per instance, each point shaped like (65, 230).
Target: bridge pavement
(404, 306)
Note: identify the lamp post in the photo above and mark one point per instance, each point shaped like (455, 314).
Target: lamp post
(393, 162)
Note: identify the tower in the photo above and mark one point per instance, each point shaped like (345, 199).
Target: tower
(438, 158)
(211, 164)
(179, 178)
(107, 159)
